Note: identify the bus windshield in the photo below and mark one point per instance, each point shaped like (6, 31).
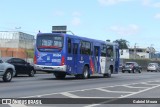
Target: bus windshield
(49, 42)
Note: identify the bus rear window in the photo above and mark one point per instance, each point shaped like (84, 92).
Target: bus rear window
(49, 42)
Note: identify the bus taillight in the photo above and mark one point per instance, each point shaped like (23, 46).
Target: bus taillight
(62, 60)
(35, 60)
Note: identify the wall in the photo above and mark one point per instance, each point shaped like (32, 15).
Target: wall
(125, 53)
(144, 54)
(16, 44)
(11, 39)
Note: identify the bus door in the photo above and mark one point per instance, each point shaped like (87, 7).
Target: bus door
(69, 58)
(116, 59)
(96, 58)
(84, 56)
(110, 62)
(103, 58)
(75, 57)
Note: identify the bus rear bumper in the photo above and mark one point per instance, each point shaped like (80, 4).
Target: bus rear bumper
(50, 68)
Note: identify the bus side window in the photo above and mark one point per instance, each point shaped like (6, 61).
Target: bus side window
(103, 50)
(69, 45)
(96, 51)
(82, 47)
(85, 48)
(88, 48)
(109, 51)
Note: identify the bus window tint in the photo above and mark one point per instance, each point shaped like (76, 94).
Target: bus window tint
(109, 51)
(96, 51)
(103, 50)
(75, 48)
(88, 48)
(49, 42)
(85, 48)
(69, 45)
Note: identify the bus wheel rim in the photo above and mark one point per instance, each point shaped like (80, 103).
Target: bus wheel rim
(86, 73)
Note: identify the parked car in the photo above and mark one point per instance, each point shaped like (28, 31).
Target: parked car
(21, 66)
(7, 71)
(131, 67)
(120, 66)
(153, 67)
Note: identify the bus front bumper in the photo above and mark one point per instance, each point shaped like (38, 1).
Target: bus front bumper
(50, 68)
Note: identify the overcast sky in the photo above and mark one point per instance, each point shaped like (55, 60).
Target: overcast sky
(137, 21)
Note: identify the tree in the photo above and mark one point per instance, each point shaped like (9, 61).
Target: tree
(123, 44)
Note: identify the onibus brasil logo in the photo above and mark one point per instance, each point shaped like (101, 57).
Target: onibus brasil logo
(21, 101)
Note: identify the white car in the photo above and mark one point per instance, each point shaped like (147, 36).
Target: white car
(153, 67)
(7, 71)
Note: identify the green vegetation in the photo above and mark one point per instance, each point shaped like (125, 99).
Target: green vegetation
(30, 53)
(123, 44)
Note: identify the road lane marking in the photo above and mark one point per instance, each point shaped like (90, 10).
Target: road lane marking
(140, 91)
(69, 95)
(75, 96)
(149, 83)
(41, 95)
(104, 90)
(17, 105)
(133, 86)
(125, 85)
(93, 105)
(124, 96)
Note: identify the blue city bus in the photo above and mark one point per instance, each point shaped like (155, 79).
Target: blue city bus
(65, 54)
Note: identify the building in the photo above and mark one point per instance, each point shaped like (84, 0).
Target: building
(137, 53)
(15, 44)
(10, 39)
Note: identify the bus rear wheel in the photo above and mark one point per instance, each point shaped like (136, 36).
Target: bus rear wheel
(60, 75)
(85, 74)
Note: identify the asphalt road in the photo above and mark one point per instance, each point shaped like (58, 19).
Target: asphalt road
(122, 85)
